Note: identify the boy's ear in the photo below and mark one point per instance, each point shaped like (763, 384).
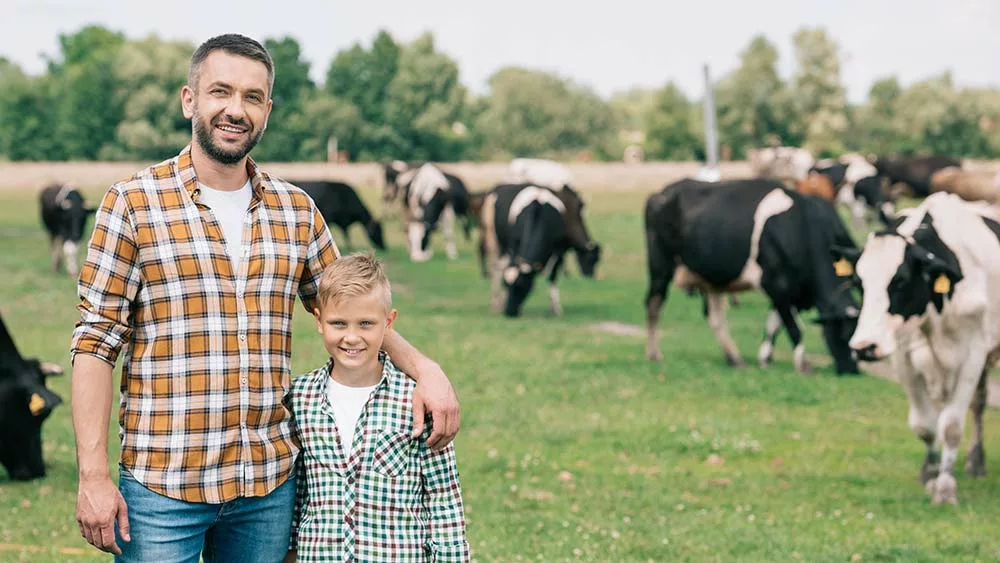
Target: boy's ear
(319, 323)
(390, 318)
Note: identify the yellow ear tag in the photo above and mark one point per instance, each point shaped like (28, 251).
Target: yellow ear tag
(37, 404)
(942, 284)
(843, 268)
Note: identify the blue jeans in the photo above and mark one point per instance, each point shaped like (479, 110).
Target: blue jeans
(166, 530)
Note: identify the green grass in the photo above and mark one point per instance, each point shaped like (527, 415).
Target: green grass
(573, 446)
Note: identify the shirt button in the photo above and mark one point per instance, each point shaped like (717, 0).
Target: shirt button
(244, 381)
(243, 337)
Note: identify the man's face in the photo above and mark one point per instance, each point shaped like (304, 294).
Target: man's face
(230, 107)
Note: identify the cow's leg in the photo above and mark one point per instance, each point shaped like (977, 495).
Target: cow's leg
(69, 250)
(347, 236)
(771, 330)
(555, 264)
(951, 425)
(491, 253)
(448, 227)
(975, 458)
(57, 253)
(717, 321)
(787, 314)
(661, 271)
(923, 414)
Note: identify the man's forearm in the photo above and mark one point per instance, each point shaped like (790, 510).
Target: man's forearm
(404, 356)
(91, 406)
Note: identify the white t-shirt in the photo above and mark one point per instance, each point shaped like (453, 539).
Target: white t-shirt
(230, 209)
(347, 403)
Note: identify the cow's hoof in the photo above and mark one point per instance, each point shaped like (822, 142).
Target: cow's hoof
(735, 361)
(975, 462)
(928, 473)
(945, 490)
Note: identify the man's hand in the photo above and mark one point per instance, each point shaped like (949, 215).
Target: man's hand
(434, 394)
(98, 504)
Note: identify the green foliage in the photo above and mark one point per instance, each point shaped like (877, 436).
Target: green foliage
(106, 96)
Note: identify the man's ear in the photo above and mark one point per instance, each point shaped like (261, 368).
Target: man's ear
(187, 101)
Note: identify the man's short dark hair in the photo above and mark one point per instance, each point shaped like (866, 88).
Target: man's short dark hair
(234, 44)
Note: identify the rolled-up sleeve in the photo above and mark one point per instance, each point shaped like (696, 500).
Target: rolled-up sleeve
(109, 282)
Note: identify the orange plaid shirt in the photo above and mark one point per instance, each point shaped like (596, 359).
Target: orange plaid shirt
(207, 350)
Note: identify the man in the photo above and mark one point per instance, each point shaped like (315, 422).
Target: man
(193, 269)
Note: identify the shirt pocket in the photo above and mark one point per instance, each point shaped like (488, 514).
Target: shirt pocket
(391, 453)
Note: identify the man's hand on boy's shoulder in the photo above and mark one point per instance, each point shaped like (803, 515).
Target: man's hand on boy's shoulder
(434, 394)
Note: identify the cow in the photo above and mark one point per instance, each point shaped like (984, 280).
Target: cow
(931, 289)
(25, 403)
(834, 170)
(340, 205)
(970, 185)
(914, 173)
(788, 164)
(750, 234)
(526, 230)
(64, 216)
(817, 184)
(540, 172)
(432, 197)
(390, 188)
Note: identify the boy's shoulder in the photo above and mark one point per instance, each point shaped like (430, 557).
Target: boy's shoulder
(310, 383)
(398, 381)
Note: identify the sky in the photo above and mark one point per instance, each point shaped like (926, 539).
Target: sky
(609, 46)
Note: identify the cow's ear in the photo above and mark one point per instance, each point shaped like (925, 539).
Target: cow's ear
(844, 259)
(942, 275)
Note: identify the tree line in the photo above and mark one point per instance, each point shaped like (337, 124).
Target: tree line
(106, 96)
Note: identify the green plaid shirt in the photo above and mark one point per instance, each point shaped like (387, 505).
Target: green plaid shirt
(390, 498)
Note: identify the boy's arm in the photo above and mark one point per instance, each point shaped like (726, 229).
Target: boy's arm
(443, 503)
(301, 501)
(434, 393)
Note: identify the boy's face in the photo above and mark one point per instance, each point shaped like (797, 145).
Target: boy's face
(353, 329)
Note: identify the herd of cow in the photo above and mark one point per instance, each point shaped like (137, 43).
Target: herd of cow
(923, 291)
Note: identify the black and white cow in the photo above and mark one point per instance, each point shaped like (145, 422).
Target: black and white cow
(914, 172)
(751, 234)
(25, 402)
(526, 230)
(932, 306)
(340, 205)
(64, 215)
(390, 188)
(431, 197)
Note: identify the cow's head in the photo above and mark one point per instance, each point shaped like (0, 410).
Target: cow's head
(25, 402)
(588, 251)
(374, 228)
(903, 278)
(392, 170)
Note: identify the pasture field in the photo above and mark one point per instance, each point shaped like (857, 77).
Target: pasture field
(573, 447)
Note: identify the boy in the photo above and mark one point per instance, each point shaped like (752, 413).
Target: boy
(367, 491)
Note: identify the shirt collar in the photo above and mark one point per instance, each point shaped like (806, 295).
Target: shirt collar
(259, 180)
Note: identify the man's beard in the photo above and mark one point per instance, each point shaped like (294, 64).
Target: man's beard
(214, 151)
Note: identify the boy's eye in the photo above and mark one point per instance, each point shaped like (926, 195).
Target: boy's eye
(338, 323)
(367, 324)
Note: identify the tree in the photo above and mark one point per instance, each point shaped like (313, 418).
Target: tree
(820, 97)
(670, 134)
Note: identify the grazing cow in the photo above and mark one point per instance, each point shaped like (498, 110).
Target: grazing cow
(914, 172)
(340, 205)
(390, 188)
(540, 172)
(867, 193)
(64, 215)
(431, 197)
(751, 234)
(527, 229)
(931, 290)
(788, 164)
(25, 402)
(970, 185)
(818, 185)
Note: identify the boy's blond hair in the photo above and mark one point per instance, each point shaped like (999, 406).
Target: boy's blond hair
(351, 276)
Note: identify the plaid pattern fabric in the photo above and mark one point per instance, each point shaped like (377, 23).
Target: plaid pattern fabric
(206, 349)
(387, 498)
